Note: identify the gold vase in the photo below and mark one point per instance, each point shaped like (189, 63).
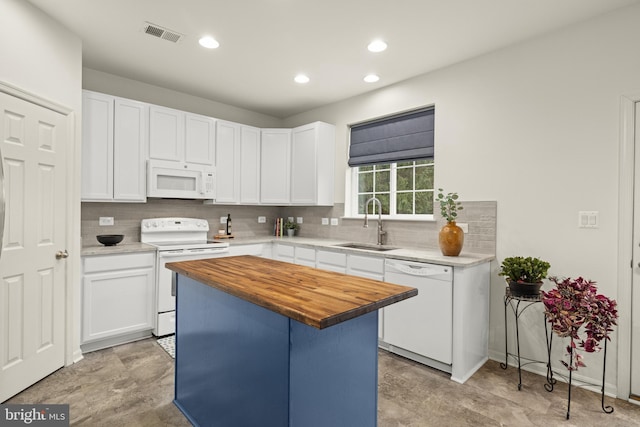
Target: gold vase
(451, 239)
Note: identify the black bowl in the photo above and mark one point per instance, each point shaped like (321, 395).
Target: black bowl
(110, 239)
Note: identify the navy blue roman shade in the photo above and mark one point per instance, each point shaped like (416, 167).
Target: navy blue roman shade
(393, 139)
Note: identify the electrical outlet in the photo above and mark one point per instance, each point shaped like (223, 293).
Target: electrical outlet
(464, 226)
(325, 221)
(334, 221)
(106, 220)
(299, 220)
(262, 219)
(290, 219)
(223, 220)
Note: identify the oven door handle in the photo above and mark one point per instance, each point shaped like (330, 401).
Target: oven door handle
(172, 254)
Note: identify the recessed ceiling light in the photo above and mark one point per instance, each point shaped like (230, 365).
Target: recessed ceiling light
(301, 78)
(371, 78)
(377, 46)
(208, 42)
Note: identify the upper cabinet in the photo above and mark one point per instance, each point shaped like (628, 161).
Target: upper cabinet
(312, 164)
(175, 135)
(228, 162)
(275, 166)
(114, 145)
(250, 165)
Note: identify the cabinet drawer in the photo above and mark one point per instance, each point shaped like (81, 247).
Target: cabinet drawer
(98, 263)
(306, 256)
(333, 258)
(366, 263)
(283, 251)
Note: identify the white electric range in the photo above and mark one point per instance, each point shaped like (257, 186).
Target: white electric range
(176, 239)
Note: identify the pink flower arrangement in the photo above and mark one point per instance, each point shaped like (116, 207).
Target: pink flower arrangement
(574, 303)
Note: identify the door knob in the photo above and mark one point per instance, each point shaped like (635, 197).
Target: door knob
(62, 254)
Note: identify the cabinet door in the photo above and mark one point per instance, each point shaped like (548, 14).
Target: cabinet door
(199, 143)
(129, 151)
(275, 166)
(250, 165)
(116, 303)
(312, 164)
(166, 133)
(97, 147)
(227, 162)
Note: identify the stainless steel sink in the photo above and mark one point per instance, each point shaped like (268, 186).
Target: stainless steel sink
(367, 247)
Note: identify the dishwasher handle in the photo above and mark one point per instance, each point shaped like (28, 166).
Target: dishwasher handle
(417, 269)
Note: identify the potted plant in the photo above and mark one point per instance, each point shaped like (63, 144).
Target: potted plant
(291, 227)
(574, 306)
(451, 237)
(524, 275)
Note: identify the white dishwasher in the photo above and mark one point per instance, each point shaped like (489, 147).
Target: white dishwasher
(421, 327)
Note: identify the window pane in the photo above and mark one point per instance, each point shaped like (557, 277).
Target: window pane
(424, 178)
(362, 199)
(404, 203)
(428, 161)
(384, 199)
(383, 181)
(424, 203)
(365, 168)
(405, 179)
(403, 164)
(365, 182)
(385, 166)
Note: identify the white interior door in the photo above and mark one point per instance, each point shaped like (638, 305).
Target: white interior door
(32, 277)
(635, 304)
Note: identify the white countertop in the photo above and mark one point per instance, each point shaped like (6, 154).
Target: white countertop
(465, 259)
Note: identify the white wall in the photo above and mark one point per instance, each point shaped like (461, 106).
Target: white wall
(115, 85)
(535, 127)
(41, 57)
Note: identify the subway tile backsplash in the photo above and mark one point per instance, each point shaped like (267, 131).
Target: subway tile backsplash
(480, 216)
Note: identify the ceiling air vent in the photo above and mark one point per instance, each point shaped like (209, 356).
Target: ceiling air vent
(162, 33)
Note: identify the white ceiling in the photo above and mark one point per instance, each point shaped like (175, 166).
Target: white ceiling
(265, 43)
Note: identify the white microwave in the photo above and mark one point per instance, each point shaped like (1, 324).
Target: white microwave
(179, 180)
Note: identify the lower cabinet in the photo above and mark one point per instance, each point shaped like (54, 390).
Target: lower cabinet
(371, 268)
(117, 296)
(332, 261)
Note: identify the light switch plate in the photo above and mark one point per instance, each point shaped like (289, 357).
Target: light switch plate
(299, 220)
(464, 226)
(262, 219)
(290, 219)
(588, 219)
(325, 221)
(106, 220)
(334, 221)
(223, 220)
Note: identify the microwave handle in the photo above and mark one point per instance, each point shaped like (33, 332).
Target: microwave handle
(203, 183)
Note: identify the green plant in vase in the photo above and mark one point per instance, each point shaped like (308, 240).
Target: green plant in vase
(524, 275)
(451, 236)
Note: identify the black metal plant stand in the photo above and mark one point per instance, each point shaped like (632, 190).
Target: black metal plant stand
(514, 302)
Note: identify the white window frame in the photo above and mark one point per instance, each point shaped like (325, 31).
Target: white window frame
(351, 198)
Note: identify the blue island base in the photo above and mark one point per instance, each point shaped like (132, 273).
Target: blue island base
(241, 365)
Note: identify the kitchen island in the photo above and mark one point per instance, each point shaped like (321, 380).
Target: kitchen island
(268, 343)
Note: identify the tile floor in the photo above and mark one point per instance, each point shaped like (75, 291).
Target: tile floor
(132, 385)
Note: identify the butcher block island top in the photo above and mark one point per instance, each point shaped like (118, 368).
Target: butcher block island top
(311, 296)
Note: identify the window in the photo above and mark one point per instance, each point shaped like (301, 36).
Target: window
(403, 188)
(393, 160)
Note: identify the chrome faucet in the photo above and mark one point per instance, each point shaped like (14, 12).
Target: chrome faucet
(381, 233)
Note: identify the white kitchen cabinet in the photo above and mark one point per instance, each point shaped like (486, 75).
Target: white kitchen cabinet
(238, 163)
(284, 253)
(371, 268)
(166, 133)
(275, 166)
(305, 256)
(114, 144)
(199, 140)
(179, 136)
(332, 261)
(228, 137)
(117, 298)
(250, 143)
(312, 164)
(255, 249)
